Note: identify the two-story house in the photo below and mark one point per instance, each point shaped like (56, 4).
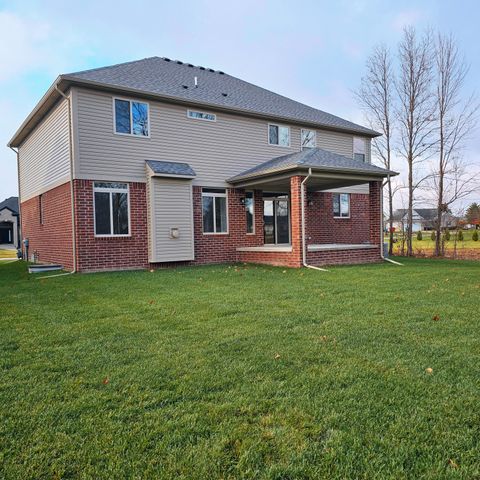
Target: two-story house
(158, 162)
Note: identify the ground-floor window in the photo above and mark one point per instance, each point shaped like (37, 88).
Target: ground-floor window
(111, 209)
(214, 210)
(250, 212)
(341, 205)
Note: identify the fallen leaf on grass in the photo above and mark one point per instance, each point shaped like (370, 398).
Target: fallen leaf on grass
(436, 318)
(429, 370)
(105, 381)
(452, 463)
(151, 302)
(277, 356)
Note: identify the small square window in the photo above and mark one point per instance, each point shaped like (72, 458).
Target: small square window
(308, 138)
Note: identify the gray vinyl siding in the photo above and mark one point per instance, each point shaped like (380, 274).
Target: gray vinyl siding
(215, 150)
(44, 156)
(171, 206)
(362, 188)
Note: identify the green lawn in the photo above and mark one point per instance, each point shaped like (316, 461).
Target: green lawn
(242, 372)
(427, 245)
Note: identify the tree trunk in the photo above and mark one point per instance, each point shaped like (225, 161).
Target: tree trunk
(410, 209)
(390, 213)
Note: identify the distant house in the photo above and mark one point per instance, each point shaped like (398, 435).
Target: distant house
(423, 219)
(9, 222)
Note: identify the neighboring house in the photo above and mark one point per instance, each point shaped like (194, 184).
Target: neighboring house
(159, 162)
(9, 223)
(422, 219)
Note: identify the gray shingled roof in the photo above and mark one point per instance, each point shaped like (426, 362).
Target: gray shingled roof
(315, 158)
(11, 203)
(171, 168)
(175, 79)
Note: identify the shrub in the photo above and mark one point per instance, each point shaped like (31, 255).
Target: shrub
(475, 236)
(460, 236)
(446, 235)
(419, 235)
(433, 236)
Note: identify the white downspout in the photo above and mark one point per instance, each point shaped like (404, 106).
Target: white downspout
(304, 241)
(72, 193)
(381, 230)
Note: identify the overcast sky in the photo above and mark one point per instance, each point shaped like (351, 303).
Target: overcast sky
(311, 51)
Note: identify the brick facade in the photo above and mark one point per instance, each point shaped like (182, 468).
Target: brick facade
(51, 240)
(110, 253)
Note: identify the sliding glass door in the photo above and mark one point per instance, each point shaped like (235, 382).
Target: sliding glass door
(276, 220)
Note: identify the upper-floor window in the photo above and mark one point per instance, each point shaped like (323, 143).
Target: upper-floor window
(214, 210)
(341, 205)
(211, 117)
(250, 212)
(359, 148)
(111, 209)
(279, 135)
(131, 118)
(308, 138)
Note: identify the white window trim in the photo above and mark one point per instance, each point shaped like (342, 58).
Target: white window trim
(349, 207)
(131, 134)
(214, 194)
(314, 137)
(111, 190)
(202, 119)
(278, 144)
(253, 219)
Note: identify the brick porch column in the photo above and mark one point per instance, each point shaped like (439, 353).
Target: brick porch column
(296, 219)
(375, 213)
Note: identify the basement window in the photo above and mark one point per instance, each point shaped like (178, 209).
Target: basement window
(214, 210)
(341, 205)
(209, 117)
(131, 118)
(111, 209)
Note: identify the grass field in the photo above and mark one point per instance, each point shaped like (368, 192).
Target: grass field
(242, 372)
(427, 245)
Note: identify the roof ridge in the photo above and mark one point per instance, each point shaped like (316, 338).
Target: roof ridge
(107, 67)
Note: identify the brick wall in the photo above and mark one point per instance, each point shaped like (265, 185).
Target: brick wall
(52, 240)
(322, 227)
(110, 253)
(344, 257)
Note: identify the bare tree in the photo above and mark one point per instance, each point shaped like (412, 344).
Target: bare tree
(452, 180)
(416, 109)
(375, 97)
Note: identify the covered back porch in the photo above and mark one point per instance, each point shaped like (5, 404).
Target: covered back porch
(316, 214)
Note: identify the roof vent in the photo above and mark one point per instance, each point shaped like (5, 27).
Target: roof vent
(179, 62)
(221, 73)
(185, 86)
(224, 94)
(190, 65)
(211, 70)
(166, 59)
(201, 68)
